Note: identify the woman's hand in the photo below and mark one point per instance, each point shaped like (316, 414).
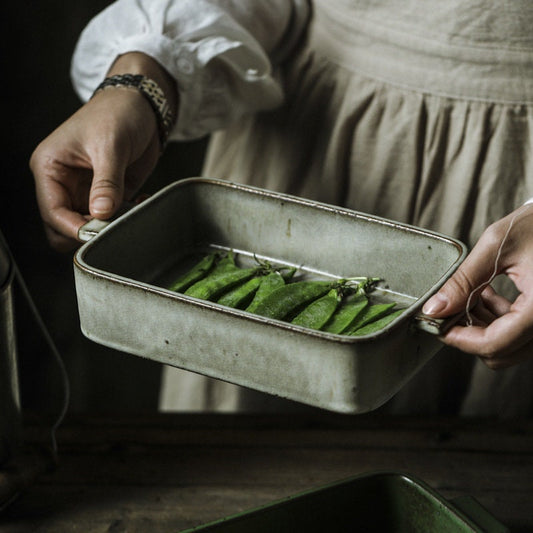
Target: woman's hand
(100, 156)
(501, 332)
(93, 161)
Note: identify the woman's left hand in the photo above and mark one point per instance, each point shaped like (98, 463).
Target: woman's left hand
(501, 332)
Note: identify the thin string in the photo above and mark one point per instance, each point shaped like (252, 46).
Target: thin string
(481, 286)
(51, 344)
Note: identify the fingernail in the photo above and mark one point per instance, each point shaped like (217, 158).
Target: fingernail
(435, 304)
(102, 204)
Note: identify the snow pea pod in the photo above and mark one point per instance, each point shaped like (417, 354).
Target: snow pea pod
(370, 314)
(318, 312)
(378, 324)
(288, 273)
(346, 313)
(287, 299)
(211, 287)
(269, 283)
(241, 295)
(196, 273)
(225, 264)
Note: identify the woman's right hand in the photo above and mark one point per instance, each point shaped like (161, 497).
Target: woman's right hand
(100, 156)
(93, 162)
(501, 331)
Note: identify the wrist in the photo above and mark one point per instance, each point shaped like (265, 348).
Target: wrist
(139, 63)
(140, 72)
(152, 94)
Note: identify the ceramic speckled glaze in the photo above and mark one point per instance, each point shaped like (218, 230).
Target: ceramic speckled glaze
(122, 271)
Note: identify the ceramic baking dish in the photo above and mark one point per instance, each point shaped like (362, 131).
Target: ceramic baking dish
(122, 271)
(382, 502)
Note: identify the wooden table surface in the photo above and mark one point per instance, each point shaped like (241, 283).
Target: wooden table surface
(167, 472)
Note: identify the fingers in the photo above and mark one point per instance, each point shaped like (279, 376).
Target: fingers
(80, 169)
(124, 155)
(473, 275)
(65, 239)
(58, 188)
(494, 303)
(489, 307)
(503, 343)
(106, 196)
(501, 333)
(107, 188)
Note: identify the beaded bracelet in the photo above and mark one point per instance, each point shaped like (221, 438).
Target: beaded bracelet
(152, 92)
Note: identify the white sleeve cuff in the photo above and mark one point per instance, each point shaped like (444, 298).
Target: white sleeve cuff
(221, 70)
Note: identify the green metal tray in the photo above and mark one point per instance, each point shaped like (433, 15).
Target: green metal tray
(381, 502)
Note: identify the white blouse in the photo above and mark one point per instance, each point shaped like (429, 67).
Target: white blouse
(220, 52)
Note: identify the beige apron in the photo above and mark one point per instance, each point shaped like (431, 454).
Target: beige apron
(415, 112)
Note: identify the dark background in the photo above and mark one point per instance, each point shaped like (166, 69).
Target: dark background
(37, 95)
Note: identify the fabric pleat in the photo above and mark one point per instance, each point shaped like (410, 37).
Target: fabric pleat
(423, 116)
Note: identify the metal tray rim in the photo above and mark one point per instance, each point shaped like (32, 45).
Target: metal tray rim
(422, 486)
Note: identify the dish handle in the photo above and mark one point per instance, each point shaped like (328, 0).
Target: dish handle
(95, 226)
(435, 326)
(91, 229)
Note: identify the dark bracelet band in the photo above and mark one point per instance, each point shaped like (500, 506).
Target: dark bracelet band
(152, 92)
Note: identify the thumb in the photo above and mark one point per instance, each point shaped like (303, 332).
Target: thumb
(472, 276)
(107, 190)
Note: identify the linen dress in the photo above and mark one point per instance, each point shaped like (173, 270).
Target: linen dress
(416, 111)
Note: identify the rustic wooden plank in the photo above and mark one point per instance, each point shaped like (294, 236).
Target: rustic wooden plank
(475, 434)
(272, 466)
(167, 473)
(171, 509)
(134, 509)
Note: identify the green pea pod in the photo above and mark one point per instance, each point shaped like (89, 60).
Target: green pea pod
(378, 324)
(196, 273)
(346, 313)
(269, 283)
(371, 313)
(288, 273)
(318, 312)
(225, 264)
(211, 287)
(241, 295)
(287, 299)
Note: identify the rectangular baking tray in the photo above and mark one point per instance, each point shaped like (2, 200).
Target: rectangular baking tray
(381, 502)
(122, 271)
